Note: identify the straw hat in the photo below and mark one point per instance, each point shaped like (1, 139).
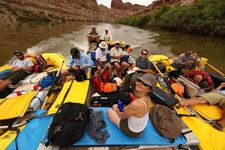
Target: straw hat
(103, 44)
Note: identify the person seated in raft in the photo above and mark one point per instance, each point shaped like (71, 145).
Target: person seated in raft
(106, 36)
(143, 65)
(133, 120)
(116, 54)
(187, 60)
(127, 56)
(78, 64)
(102, 62)
(93, 36)
(215, 97)
(40, 63)
(21, 68)
(201, 78)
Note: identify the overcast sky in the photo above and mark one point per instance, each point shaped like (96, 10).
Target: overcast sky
(141, 2)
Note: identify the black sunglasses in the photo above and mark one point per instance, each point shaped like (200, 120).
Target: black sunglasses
(18, 55)
(138, 80)
(144, 54)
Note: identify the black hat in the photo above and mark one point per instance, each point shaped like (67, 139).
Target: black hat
(74, 52)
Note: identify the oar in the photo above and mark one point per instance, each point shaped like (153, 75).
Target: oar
(214, 68)
(187, 108)
(168, 86)
(57, 76)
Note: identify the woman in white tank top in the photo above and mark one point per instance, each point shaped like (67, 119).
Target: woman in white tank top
(135, 116)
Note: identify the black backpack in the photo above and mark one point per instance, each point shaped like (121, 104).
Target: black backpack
(68, 125)
(80, 75)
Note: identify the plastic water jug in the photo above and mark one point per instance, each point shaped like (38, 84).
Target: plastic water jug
(37, 101)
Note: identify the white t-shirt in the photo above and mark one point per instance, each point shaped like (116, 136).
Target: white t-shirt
(106, 37)
(101, 54)
(22, 63)
(116, 52)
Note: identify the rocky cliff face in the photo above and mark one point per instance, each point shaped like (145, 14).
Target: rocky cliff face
(125, 8)
(53, 10)
(156, 5)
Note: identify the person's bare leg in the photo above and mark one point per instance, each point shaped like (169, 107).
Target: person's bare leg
(89, 42)
(69, 78)
(193, 101)
(109, 67)
(125, 65)
(4, 84)
(118, 69)
(64, 74)
(114, 117)
(99, 68)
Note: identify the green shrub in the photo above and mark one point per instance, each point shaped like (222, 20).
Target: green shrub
(204, 17)
(134, 20)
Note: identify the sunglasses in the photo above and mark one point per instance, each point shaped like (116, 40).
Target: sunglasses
(18, 55)
(144, 54)
(142, 82)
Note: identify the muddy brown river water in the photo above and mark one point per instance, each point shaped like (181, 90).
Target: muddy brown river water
(38, 38)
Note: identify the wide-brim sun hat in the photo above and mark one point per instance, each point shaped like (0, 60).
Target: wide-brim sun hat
(149, 79)
(103, 44)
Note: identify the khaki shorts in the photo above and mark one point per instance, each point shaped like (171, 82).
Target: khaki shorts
(125, 129)
(103, 62)
(214, 98)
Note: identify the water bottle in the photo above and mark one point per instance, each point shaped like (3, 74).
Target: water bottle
(37, 101)
(120, 106)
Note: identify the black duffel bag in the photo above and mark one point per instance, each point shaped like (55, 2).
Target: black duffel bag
(68, 125)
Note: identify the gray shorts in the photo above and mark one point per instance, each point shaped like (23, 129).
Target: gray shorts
(17, 76)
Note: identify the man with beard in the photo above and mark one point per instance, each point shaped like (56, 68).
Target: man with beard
(21, 68)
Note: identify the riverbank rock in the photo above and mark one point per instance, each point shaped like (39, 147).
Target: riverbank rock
(12, 11)
(158, 4)
(124, 9)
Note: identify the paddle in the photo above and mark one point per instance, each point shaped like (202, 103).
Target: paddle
(55, 81)
(214, 68)
(192, 113)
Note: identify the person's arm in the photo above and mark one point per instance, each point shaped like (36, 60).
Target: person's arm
(149, 67)
(98, 59)
(112, 54)
(222, 85)
(29, 66)
(210, 84)
(29, 69)
(88, 62)
(180, 60)
(100, 63)
(208, 89)
(129, 111)
(70, 62)
(193, 101)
